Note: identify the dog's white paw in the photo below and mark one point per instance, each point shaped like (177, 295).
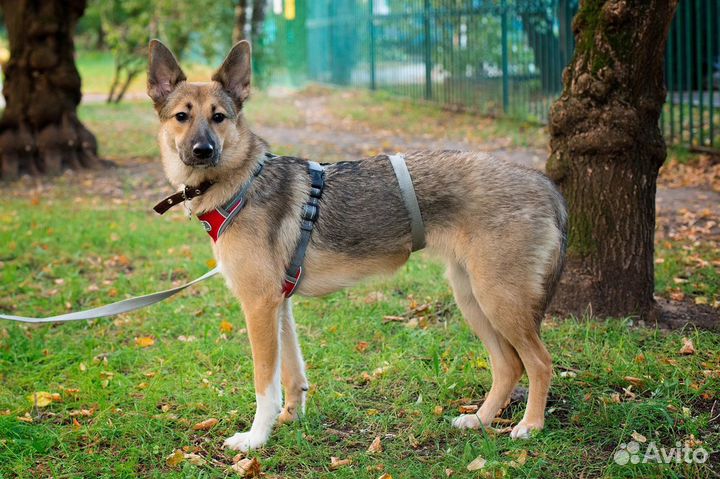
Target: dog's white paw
(466, 421)
(244, 441)
(524, 430)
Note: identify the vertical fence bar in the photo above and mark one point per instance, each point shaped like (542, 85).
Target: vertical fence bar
(711, 67)
(688, 70)
(371, 33)
(505, 67)
(670, 68)
(427, 49)
(699, 68)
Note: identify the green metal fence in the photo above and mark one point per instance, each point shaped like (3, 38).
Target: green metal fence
(492, 56)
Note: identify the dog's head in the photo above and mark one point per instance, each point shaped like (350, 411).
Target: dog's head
(203, 133)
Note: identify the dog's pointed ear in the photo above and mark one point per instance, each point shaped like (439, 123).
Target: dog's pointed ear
(164, 73)
(235, 72)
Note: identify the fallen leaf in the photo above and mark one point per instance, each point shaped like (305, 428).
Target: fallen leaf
(144, 341)
(25, 418)
(638, 437)
(386, 476)
(637, 382)
(449, 472)
(468, 408)
(520, 458)
(247, 467)
(211, 263)
(336, 463)
(362, 346)
(226, 326)
(194, 459)
(438, 410)
(186, 339)
(174, 459)
(375, 446)
(687, 348)
(75, 424)
(701, 300)
(205, 425)
(40, 399)
(568, 374)
(476, 464)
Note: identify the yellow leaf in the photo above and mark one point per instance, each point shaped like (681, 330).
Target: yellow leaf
(226, 326)
(211, 263)
(386, 476)
(144, 341)
(174, 459)
(40, 399)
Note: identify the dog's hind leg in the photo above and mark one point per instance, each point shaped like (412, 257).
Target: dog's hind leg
(512, 310)
(293, 368)
(504, 361)
(263, 322)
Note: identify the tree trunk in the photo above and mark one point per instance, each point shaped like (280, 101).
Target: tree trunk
(258, 18)
(240, 21)
(606, 150)
(40, 132)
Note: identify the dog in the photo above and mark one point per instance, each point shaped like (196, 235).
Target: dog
(500, 228)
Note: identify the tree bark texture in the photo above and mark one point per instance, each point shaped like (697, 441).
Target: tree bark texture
(40, 132)
(606, 150)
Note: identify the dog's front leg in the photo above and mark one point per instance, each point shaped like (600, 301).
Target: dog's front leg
(263, 322)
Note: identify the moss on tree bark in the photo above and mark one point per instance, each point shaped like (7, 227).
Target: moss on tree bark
(606, 151)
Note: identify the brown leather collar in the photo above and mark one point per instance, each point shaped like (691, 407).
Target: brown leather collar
(187, 193)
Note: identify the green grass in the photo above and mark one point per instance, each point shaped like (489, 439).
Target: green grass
(145, 400)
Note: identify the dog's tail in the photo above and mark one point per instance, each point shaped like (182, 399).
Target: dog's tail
(557, 260)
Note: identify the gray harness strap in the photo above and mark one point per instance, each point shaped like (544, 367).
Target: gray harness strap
(417, 227)
(123, 306)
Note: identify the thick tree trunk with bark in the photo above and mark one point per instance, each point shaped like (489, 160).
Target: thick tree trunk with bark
(607, 149)
(40, 132)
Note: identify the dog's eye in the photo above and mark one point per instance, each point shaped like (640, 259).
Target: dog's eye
(181, 116)
(218, 117)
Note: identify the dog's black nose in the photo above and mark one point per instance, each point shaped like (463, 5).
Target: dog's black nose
(203, 150)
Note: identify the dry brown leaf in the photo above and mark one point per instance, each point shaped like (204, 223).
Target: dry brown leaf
(144, 341)
(174, 459)
(336, 463)
(75, 424)
(205, 425)
(375, 446)
(386, 476)
(362, 346)
(638, 437)
(414, 443)
(226, 327)
(637, 382)
(247, 467)
(476, 464)
(468, 408)
(687, 348)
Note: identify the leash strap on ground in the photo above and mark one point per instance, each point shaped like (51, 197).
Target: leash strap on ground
(417, 227)
(119, 307)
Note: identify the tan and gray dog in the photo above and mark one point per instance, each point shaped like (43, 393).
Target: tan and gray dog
(500, 228)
